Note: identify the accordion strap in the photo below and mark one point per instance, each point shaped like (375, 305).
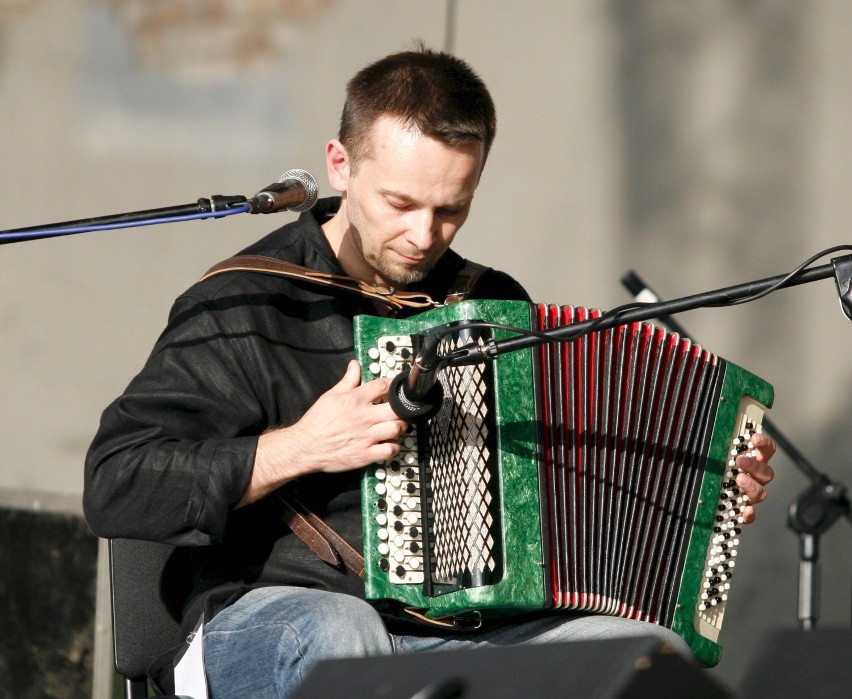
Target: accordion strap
(272, 265)
(320, 538)
(469, 622)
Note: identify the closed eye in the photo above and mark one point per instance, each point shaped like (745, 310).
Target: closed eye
(399, 205)
(450, 211)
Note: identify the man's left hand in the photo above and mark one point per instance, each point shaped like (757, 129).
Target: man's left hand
(756, 473)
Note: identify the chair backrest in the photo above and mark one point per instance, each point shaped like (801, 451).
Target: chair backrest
(142, 625)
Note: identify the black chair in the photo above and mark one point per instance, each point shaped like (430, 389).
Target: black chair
(143, 628)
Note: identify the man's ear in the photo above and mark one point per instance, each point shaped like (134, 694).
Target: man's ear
(337, 165)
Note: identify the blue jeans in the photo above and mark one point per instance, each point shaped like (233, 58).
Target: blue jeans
(266, 643)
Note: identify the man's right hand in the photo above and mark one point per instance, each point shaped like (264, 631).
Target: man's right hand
(348, 427)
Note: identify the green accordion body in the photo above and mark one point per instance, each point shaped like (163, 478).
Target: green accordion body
(594, 474)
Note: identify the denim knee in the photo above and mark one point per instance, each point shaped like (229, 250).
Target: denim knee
(268, 641)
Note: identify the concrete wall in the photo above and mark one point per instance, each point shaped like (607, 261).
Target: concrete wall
(701, 144)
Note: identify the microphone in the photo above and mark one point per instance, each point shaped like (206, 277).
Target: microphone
(295, 191)
(417, 393)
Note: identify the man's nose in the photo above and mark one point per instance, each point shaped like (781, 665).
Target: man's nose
(422, 230)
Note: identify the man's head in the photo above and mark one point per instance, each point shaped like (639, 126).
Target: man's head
(414, 136)
(433, 93)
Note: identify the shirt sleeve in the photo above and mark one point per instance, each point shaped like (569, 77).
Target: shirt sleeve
(174, 453)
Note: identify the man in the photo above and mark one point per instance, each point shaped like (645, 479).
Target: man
(243, 395)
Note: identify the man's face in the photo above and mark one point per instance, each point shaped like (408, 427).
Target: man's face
(405, 202)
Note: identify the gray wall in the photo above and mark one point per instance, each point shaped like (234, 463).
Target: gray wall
(701, 144)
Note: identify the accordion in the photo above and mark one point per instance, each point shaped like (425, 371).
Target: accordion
(593, 474)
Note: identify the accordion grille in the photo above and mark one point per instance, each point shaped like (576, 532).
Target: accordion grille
(461, 488)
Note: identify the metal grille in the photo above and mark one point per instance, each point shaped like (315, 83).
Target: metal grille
(463, 504)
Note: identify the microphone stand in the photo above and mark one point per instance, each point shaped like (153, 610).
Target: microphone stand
(296, 190)
(839, 267)
(215, 207)
(412, 395)
(811, 514)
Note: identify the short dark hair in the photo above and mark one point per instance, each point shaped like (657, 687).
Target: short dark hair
(433, 92)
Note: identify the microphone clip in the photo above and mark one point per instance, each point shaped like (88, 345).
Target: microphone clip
(843, 280)
(417, 394)
(410, 410)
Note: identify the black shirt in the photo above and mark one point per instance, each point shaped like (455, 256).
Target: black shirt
(242, 352)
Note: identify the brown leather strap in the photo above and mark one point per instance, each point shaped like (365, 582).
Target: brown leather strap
(314, 540)
(417, 614)
(272, 265)
(324, 541)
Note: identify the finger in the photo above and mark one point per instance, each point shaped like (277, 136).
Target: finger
(351, 378)
(751, 488)
(749, 514)
(382, 451)
(370, 392)
(388, 430)
(765, 446)
(758, 470)
(383, 412)
(375, 391)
